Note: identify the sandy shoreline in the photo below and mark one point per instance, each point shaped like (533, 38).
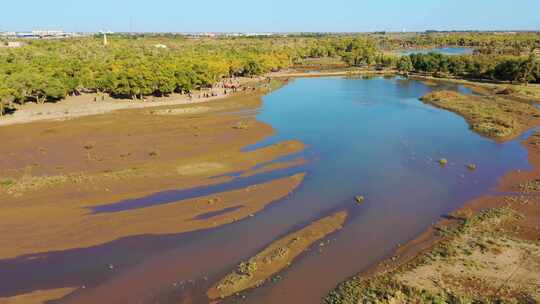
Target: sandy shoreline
(85, 104)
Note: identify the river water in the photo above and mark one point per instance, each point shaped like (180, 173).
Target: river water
(445, 51)
(370, 137)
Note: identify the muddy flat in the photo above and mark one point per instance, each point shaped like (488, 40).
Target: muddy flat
(63, 171)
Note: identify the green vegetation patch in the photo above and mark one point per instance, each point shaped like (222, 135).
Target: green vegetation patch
(7, 182)
(49, 70)
(530, 186)
(241, 125)
(490, 116)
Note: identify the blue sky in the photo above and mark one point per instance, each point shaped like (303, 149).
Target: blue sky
(270, 15)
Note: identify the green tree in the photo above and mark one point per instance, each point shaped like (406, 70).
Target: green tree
(508, 70)
(252, 67)
(526, 70)
(404, 65)
(6, 96)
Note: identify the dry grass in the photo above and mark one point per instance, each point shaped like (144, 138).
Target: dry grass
(495, 117)
(532, 90)
(28, 182)
(481, 260)
(531, 186)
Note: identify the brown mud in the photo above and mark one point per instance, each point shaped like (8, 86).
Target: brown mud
(56, 172)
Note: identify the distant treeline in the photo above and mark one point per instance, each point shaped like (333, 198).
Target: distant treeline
(522, 69)
(484, 43)
(137, 66)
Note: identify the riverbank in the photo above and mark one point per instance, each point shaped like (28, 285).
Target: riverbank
(486, 251)
(60, 171)
(488, 257)
(491, 115)
(88, 104)
(530, 92)
(101, 179)
(95, 104)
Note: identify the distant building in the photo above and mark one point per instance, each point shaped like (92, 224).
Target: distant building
(200, 35)
(233, 35)
(49, 33)
(41, 34)
(258, 34)
(27, 35)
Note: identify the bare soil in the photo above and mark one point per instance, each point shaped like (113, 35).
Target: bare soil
(56, 171)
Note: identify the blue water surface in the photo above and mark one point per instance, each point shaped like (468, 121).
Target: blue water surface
(445, 51)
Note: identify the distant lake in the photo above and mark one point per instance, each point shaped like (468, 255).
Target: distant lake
(444, 51)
